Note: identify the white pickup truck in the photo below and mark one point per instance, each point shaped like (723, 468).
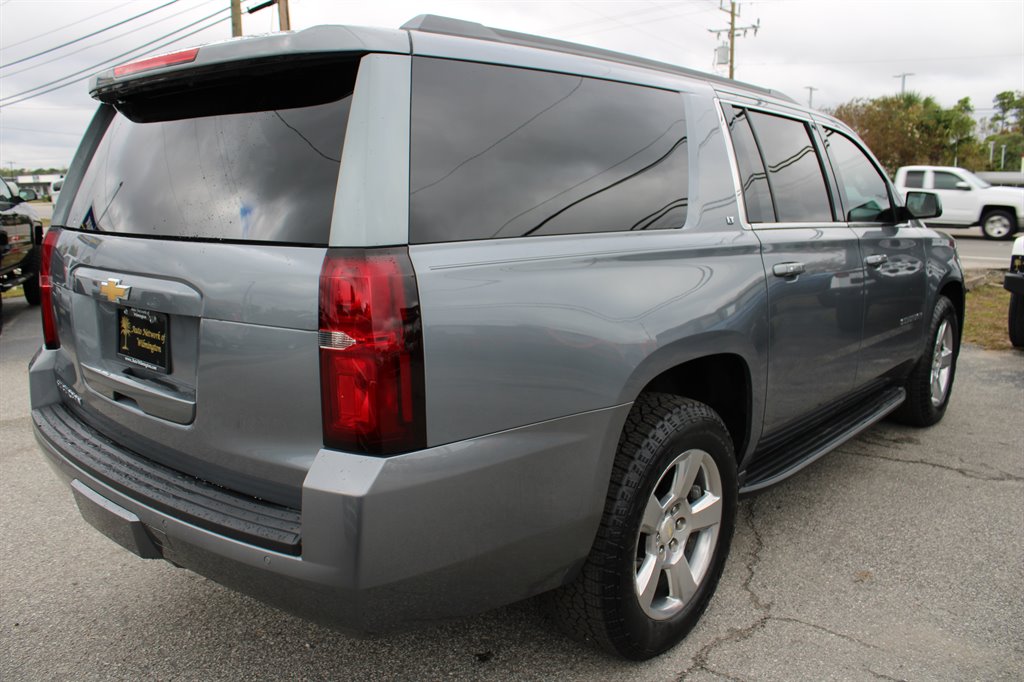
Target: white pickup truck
(967, 200)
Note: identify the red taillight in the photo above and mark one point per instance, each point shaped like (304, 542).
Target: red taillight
(50, 338)
(371, 352)
(169, 59)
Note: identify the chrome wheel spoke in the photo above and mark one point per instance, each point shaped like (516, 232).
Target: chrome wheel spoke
(706, 512)
(653, 515)
(686, 473)
(681, 584)
(945, 358)
(647, 578)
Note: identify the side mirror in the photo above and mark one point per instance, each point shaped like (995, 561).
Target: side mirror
(28, 195)
(923, 205)
(963, 186)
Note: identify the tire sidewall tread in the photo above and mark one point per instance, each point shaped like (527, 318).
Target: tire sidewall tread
(917, 409)
(658, 429)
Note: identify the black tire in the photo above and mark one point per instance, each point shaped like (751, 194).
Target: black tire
(31, 285)
(662, 434)
(998, 223)
(31, 289)
(921, 407)
(1016, 320)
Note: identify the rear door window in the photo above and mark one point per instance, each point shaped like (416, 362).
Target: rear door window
(794, 170)
(508, 152)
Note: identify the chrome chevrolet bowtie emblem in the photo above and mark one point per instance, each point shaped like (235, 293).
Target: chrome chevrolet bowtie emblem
(113, 290)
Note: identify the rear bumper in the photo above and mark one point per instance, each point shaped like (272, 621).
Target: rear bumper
(385, 542)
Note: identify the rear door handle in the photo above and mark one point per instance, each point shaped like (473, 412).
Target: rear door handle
(876, 260)
(787, 269)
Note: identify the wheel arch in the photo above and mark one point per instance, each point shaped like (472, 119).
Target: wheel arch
(1000, 207)
(723, 381)
(954, 291)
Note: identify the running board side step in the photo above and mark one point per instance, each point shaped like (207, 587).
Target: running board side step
(787, 458)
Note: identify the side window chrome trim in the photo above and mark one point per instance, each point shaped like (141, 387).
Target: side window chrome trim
(734, 168)
(791, 226)
(771, 111)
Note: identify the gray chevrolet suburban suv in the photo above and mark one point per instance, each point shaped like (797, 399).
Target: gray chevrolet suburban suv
(382, 326)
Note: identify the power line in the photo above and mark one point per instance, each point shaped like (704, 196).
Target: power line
(61, 28)
(90, 70)
(633, 24)
(89, 47)
(89, 35)
(77, 80)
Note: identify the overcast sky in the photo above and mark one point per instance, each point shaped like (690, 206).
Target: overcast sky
(844, 48)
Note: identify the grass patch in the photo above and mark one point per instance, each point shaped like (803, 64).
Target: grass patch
(987, 310)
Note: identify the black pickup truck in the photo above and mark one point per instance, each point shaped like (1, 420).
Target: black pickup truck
(21, 233)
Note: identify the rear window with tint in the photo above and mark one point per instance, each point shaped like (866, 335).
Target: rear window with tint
(250, 176)
(507, 152)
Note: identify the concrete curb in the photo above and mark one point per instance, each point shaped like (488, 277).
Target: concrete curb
(978, 277)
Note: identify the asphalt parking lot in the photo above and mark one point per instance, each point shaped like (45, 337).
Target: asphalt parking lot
(898, 557)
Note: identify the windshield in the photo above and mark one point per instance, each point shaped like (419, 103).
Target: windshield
(975, 180)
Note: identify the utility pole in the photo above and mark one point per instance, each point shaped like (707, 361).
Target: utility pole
(284, 21)
(810, 95)
(734, 31)
(283, 18)
(236, 18)
(903, 82)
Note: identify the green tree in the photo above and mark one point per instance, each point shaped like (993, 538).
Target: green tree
(1009, 114)
(909, 129)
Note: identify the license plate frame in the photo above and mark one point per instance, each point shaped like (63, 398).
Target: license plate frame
(144, 338)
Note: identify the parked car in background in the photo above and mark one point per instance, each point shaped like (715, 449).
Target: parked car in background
(1013, 282)
(55, 191)
(21, 233)
(967, 200)
(382, 326)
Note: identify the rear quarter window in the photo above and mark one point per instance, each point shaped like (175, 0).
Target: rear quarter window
(508, 152)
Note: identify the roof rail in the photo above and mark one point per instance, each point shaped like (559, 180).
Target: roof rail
(432, 23)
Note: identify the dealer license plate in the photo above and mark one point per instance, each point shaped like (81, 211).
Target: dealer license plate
(144, 338)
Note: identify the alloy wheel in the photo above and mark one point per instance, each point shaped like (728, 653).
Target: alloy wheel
(678, 534)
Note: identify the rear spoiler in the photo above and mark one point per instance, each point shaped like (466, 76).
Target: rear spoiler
(121, 82)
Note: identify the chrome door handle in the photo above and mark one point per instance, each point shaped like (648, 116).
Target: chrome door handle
(787, 269)
(876, 260)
